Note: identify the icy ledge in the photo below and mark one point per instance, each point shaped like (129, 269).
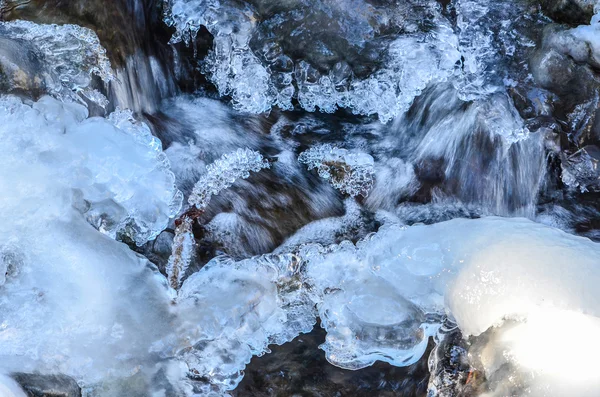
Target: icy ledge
(382, 298)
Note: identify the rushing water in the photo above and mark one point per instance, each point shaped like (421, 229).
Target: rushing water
(299, 197)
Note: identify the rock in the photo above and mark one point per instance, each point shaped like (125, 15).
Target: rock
(575, 12)
(37, 385)
(582, 169)
(566, 65)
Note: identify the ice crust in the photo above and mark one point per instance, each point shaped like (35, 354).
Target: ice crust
(224, 172)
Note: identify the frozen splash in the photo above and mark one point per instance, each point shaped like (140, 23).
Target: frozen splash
(350, 173)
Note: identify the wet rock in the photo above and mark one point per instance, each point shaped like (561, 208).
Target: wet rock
(451, 372)
(565, 65)
(582, 169)
(19, 68)
(575, 12)
(37, 385)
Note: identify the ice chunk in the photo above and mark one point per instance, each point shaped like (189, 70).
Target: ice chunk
(381, 298)
(261, 50)
(76, 301)
(580, 170)
(224, 172)
(119, 175)
(349, 172)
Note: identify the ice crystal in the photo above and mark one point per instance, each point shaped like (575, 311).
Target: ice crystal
(224, 172)
(350, 173)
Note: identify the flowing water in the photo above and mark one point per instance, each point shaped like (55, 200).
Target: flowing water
(299, 197)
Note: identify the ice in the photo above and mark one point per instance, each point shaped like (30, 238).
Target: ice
(580, 170)
(76, 301)
(117, 171)
(224, 172)
(383, 297)
(8, 387)
(233, 310)
(349, 172)
(248, 62)
(69, 55)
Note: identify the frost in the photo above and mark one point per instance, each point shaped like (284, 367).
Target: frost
(69, 54)
(182, 253)
(350, 173)
(224, 172)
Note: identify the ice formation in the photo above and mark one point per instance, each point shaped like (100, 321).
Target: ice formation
(349, 172)
(256, 83)
(8, 387)
(77, 301)
(382, 298)
(69, 55)
(224, 172)
(233, 310)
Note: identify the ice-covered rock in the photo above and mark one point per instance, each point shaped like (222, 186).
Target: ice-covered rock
(256, 61)
(119, 176)
(61, 59)
(384, 296)
(349, 172)
(234, 310)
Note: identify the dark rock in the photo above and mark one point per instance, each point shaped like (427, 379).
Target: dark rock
(575, 12)
(37, 385)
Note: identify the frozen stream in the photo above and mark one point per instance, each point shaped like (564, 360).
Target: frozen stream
(213, 197)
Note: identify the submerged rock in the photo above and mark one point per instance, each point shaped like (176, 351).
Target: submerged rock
(38, 385)
(575, 12)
